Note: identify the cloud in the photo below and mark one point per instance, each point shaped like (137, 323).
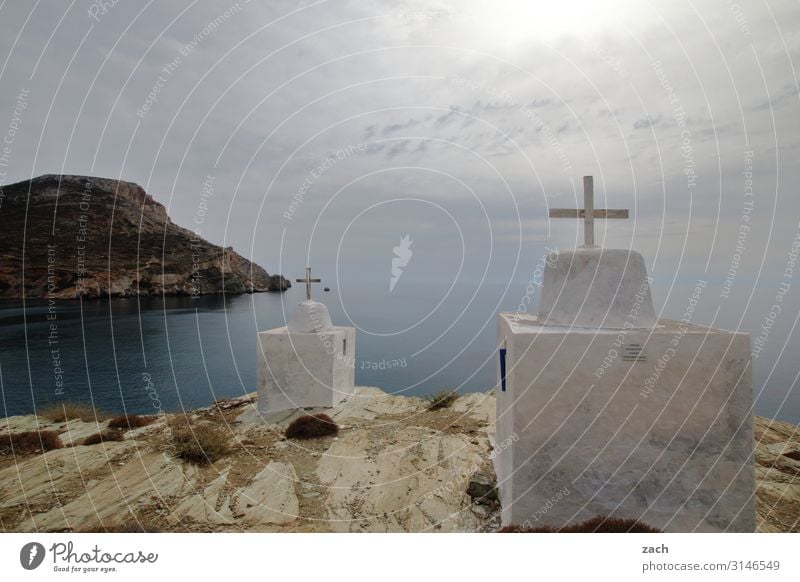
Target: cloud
(787, 95)
(647, 122)
(395, 127)
(450, 108)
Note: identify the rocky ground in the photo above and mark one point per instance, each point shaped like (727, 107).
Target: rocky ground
(394, 466)
(777, 475)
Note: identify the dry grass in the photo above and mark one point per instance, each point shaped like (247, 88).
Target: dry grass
(104, 437)
(124, 527)
(311, 427)
(23, 443)
(127, 421)
(69, 411)
(793, 455)
(444, 399)
(599, 524)
(198, 443)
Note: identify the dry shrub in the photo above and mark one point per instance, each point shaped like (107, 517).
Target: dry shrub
(23, 443)
(793, 455)
(69, 411)
(104, 437)
(599, 524)
(198, 443)
(514, 528)
(126, 421)
(444, 399)
(312, 427)
(124, 527)
(604, 524)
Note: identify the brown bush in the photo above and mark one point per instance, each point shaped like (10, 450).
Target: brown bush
(124, 527)
(23, 443)
(599, 524)
(126, 421)
(311, 427)
(604, 524)
(198, 443)
(104, 437)
(444, 399)
(514, 528)
(69, 411)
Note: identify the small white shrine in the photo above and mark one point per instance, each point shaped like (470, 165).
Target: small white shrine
(604, 410)
(309, 362)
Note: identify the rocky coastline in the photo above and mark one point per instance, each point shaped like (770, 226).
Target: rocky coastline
(65, 237)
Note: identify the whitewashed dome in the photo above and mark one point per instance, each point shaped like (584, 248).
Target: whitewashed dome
(310, 316)
(596, 287)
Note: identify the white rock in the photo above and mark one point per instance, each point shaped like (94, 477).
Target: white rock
(202, 505)
(414, 485)
(124, 490)
(33, 480)
(270, 498)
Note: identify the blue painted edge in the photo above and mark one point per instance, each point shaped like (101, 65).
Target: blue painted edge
(502, 369)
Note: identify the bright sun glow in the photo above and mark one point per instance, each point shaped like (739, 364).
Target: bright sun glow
(516, 21)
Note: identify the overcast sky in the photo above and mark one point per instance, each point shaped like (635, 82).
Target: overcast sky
(452, 122)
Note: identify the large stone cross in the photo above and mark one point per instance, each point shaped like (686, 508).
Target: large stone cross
(308, 280)
(588, 212)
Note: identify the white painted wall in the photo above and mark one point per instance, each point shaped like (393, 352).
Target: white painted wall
(299, 370)
(679, 458)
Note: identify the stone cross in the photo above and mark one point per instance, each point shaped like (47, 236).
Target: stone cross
(308, 280)
(588, 213)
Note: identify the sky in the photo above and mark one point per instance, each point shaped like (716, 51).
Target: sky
(323, 132)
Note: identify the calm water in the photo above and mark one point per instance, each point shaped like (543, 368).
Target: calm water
(123, 354)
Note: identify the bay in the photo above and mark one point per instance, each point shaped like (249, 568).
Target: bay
(178, 353)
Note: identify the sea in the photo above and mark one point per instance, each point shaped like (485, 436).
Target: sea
(147, 355)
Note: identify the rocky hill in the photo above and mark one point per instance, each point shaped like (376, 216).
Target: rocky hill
(394, 466)
(68, 236)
